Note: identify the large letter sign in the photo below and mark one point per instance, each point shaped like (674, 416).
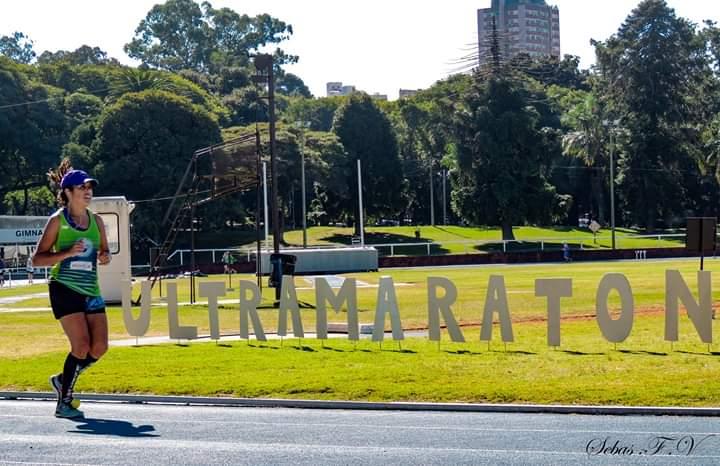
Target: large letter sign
(177, 332)
(387, 303)
(496, 301)
(136, 327)
(347, 295)
(289, 302)
(553, 289)
(437, 305)
(615, 331)
(700, 314)
(248, 308)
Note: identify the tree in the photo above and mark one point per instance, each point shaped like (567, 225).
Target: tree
(32, 131)
(366, 135)
(291, 85)
(317, 113)
(17, 47)
(180, 34)
(501, 157)
(84, 55)
(588, 141)
(651, 71)
(550, 70)
(143, 145)
(173, 36)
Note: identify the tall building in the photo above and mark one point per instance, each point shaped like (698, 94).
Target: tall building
(523, 26)
(408, 92)
(337, 88)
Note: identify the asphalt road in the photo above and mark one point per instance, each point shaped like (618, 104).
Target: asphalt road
(122, 433)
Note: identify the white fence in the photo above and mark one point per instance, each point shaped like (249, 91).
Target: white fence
(181, 257)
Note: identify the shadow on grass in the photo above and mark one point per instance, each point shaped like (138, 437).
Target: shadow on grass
(462, 352)
(582, 353)
(397, 350)
(307, 349)
(112, 427)
(533, 246)
(649, 353)
(259, 346)
(529, 353)
(372, 238)
(697, 353)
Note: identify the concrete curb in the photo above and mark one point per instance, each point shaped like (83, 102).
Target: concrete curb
(365, 405)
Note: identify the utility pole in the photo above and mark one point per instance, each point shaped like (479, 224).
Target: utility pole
(444, 182)
(432, 198)
(265, 62)
(302, 180)
(612, 185)
(360, 204)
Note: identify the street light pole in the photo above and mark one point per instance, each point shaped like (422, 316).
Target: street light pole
(432, 198)
(265, 62)
(302, 180)
(612, 186)
(302, 125)
(360, 204)
(444, 182)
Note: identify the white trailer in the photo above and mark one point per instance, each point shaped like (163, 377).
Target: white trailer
(115, 212)
(19, 235)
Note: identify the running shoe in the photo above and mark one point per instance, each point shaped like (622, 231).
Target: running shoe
(66, 411)
(56, 383)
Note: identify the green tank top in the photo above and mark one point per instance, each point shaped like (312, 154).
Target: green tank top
(78, 273)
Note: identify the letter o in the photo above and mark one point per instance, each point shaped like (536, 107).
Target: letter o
(615, 331)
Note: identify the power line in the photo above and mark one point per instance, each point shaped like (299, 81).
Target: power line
(95, 92)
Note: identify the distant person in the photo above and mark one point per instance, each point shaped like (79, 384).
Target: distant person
(74, 243)
(2, 272)
(30, 270)
(228, 261)
(566, 252)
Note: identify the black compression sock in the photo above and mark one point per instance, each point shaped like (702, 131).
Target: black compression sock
(84, 364)
(69, 375)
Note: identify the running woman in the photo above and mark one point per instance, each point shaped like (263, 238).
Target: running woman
(73, 243)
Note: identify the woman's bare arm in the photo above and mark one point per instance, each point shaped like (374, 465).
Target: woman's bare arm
(44, 255)
(104, 255)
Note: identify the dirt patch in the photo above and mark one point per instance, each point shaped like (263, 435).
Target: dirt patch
(654, 310)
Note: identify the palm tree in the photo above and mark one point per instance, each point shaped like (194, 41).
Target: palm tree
(138, 80)
(588, 142)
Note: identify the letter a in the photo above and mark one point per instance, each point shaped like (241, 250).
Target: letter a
(387, 303)
(496, 300)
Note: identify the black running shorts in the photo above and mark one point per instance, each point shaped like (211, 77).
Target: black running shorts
(65, 301)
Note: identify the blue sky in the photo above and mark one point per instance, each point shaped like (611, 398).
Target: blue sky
(379, 46)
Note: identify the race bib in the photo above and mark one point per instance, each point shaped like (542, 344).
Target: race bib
(81, 265)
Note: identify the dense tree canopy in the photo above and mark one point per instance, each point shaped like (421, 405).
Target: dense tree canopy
(183, 35)
(527, 140)
(367, 135)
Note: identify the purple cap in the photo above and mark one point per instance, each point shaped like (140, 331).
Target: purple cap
(76, 178)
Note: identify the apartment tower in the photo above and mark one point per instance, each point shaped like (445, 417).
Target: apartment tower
(524, 26)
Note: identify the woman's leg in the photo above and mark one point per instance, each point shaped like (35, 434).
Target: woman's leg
(98, 330)
(75, 327)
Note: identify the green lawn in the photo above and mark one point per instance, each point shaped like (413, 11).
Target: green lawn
(644, 370)
(459, 240)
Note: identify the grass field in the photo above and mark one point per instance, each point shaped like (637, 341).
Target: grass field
(459, 240)
(644, 370)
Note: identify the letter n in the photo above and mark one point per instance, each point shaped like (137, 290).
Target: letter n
(700, 313)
